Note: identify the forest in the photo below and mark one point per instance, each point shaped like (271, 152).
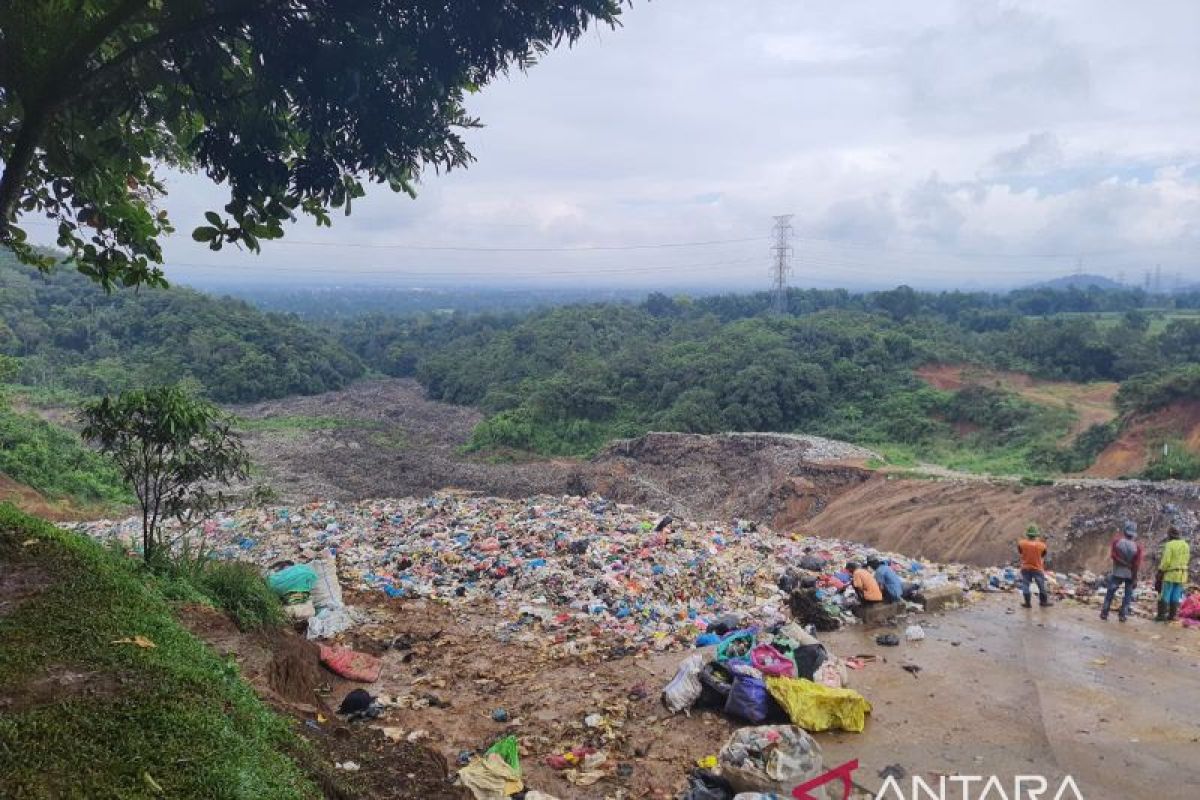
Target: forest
(566, 379)
(67, 333)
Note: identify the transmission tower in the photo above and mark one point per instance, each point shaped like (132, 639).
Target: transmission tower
(781, 260)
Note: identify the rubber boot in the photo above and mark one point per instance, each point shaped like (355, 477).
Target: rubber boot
(1162, 611)
(1044, 601)
(1027, 602)
(1173, 613)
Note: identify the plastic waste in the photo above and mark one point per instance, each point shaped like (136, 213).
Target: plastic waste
(814, 707)
(684, 689)
(326, 590)
(769, 661)
(914, 633)
(736, 646)
(771, 759)
(748, 699)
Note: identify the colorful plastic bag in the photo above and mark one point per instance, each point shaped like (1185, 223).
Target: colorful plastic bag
(819, 708)
(351, 664)
(736, 646)
(769, 661)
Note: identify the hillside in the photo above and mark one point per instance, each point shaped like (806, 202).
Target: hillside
(68, 333)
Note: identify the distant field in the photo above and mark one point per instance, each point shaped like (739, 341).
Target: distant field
(1158, 319)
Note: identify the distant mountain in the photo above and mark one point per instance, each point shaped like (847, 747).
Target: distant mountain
(1078, 282)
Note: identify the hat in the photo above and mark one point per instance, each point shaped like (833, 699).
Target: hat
(1032, 531)
(1130, 529)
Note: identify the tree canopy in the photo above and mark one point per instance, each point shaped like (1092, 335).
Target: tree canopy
(291, 104)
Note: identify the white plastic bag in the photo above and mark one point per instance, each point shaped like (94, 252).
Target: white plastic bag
(684, 689)
(771, 759)
(914, 633)
(327, 592)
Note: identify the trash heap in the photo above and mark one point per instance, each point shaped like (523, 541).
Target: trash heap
(594, 574)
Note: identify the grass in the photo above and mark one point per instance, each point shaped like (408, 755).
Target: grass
(54, 461)
(173, 720)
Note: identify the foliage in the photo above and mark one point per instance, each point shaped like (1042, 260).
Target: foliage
(566, 380)
(52, 460)
(290, 104)
(68, 334)
(170, 447)
(1158, 389)
(1080, 454)
(240, 591)
(1178, 463)
(176, 712)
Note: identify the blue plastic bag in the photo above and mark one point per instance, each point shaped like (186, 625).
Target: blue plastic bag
(748, 699)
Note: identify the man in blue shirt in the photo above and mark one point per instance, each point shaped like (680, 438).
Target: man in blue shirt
(889, 581)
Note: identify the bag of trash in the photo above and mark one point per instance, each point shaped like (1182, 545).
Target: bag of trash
(329, 622)
(351, 664)
(771, 759)
(816, 708)
(715, 684)
(296, 579)
(769, 661)
(684, 689)
(736, 646)
(705, 785)
(748, 698)
(326, 590)
(299, 612)
(509, 749)
(809, 658)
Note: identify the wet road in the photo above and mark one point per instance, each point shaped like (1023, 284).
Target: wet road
(1008, 691)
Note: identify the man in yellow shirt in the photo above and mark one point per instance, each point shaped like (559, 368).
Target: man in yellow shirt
(1173, 568)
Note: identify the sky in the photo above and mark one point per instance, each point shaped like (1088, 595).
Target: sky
(935, 143)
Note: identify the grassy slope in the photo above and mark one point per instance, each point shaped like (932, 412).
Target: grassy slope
(174, 716)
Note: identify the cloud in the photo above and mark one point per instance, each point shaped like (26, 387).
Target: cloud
(960, 138)
(1040, 152)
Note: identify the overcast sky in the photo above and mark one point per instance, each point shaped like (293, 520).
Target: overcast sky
(929, 142)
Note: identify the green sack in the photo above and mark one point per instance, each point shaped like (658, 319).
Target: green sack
(736, 646)
(508, 749)
(300, 578)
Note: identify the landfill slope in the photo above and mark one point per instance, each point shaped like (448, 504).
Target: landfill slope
(389, 440)
(978, 522)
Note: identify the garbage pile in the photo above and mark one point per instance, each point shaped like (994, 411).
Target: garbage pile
(593, 574)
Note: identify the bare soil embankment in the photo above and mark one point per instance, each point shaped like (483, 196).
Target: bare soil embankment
(1143, 434)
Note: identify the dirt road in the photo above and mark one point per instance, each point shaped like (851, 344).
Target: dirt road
(1002, 691)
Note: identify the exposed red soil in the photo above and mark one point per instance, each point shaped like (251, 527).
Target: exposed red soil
(1092, 402)
(1130, 453)
(284, 669)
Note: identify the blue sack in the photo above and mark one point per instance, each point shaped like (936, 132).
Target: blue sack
(748, 699)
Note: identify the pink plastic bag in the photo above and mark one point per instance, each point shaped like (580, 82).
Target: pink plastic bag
(769, 661)
(352, 664)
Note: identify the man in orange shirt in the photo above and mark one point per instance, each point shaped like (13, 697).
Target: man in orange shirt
(864, 583)
(1033, 566)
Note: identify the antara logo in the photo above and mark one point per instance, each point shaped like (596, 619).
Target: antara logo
(948, 787)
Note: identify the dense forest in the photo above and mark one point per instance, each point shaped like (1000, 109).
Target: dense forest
(67, 333)
(566, 380)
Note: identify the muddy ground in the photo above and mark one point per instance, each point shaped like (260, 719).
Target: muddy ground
(389, 440)
(1001, 691)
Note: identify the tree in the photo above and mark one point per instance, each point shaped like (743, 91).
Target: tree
(170, 446)
(291, 104)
